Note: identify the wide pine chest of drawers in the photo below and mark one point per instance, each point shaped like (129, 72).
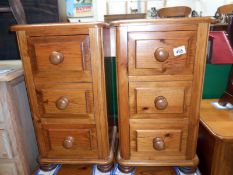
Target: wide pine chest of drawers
(160, 67)
(64, 71)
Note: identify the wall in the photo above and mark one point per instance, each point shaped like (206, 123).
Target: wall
(208, 7)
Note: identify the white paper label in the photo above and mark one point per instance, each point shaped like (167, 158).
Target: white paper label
(179, 51)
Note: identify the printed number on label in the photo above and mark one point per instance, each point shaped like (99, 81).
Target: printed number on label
(179, 51)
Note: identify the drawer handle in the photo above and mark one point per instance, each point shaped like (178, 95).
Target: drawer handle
(68, 142)
(161, 54)
(62, 103)
(161, 103)
(56, 58)
(158, 144)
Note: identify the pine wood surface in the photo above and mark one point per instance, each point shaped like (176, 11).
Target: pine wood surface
(87, 170)
(138, 43)
(218, 122)
(144, 22)
(179, 11)
(53, 26)
(215, 143)
(224, 9)
(81, 120)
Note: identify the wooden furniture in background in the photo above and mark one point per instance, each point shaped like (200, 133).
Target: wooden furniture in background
(110, 18)
(18, 148)
(64, 70)
(215, 143)
(159, 93)
(179, 11)
(225, 9)
(224, 13)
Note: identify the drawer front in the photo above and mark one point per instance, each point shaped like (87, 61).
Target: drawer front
(67, 99)
(153, 53)
(69, 141)
(155, 140)
(5, 148)
(61, 58)
(159, 97)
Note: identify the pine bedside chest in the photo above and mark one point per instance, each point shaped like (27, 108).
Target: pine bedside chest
(160, 67)
(65, 78)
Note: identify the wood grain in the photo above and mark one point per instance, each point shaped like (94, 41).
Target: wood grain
(215, 144)
(165, 21)
(110, 18)
(68, 99)
(48, 28)
(213, 152)
(79, 102)
(84, 141)
(122, 91)
(161, 78)
(173, 132)
(75, 52)
(175, 80)
(199, 70)
(142, 97)
(99, 90)
(143, 45)
(156, 163)
(178, 11)
(225, 9)
(171, 138)
(218, 122)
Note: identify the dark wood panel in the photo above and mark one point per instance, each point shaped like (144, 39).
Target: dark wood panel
(37, 11)
(205, 145)
(41, 11)
(8, 45)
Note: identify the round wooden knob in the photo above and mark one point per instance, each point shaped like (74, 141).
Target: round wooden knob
(68, 142)
(161, 103)
(158, 144)
(161, 54)
(62, 103)
(56, 58)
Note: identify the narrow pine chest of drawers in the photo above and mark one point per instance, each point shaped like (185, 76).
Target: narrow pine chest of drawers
(160, 67)
(64, 71)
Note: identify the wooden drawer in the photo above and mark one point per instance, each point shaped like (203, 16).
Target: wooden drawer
(158, 139)
(5, 148)
(159, 97)
(152, 53)
(61, 58)
(66, 141)
(66, 99)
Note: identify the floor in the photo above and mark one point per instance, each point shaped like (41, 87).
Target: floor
(86, 170)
